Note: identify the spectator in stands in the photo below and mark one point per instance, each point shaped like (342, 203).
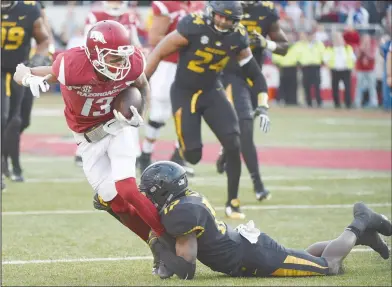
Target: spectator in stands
(320, 35)
(357, 14)
(325, 11)
(310, 59)
(76, 39)
(366, 78)
(351, 37)
(340, 59)
(294, 13)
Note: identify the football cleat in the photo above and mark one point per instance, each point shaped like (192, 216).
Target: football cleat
(372, 239)
(78, 161)
(263, 195)
(144, 161)
(233, 210)
(100, 204)
(177, 158)
(376, 221)
(17, 177)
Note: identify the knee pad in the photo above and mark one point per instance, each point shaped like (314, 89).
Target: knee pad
(193, 156)
(231, 142)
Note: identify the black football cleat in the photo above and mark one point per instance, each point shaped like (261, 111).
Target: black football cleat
(263, 195)
(176, 157)
(372, 239)
(17, 177)
(377, 222)
(233, 210)
(221, 162)
(144, 161)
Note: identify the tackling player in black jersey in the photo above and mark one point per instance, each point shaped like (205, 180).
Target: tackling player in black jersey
(206, 42)
(21, 21)
(244, 251)
(260, 20)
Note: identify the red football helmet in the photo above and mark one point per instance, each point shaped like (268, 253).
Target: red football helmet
(108, 48)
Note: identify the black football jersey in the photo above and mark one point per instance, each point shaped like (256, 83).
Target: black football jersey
(219, 246)
(208, 51)
(257, 17)
(16, 33)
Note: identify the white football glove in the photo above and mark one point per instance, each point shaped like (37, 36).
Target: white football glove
(265, 123)
(135, 121)
(36, 83)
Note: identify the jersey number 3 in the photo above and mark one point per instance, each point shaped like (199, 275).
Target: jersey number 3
(11, 37)
(206, 58)
(104, 104)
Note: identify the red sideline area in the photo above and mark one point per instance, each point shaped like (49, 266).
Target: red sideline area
(46, 145)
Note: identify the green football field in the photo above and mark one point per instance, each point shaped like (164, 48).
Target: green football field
(316, 163)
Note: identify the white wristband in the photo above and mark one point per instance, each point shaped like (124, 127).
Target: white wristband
(271, 45)
(25, 80)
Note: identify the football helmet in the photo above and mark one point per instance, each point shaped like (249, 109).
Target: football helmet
(162, 182)
(115, 8)
(108, 48)
(232, 10)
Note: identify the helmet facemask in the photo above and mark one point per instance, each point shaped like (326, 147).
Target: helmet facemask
(115, 72)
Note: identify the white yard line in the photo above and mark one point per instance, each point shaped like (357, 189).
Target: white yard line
(130, 258)
(245, 207)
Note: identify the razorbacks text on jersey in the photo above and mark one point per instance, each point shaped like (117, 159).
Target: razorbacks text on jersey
(219, 246)
(16, 33)
(207, 53)
(258, 18)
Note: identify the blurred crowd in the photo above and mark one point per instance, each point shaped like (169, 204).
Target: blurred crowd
(350, 38)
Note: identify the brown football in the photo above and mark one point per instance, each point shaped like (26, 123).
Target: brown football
(126, 98)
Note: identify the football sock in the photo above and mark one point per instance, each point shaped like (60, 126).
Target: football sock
(152, 132)
(340, 247)
(129, 191)
(249, 153)
(129, 217)
(233, 172)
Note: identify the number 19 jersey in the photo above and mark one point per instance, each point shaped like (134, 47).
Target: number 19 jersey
(207, 53)
(16, 32)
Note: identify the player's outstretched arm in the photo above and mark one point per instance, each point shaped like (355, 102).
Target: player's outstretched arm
(170, 44)
(183, 263)
(252, 71)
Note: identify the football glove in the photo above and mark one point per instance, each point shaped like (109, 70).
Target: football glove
(262, 113)
(258, 40)
(135, 121)
(36, 84)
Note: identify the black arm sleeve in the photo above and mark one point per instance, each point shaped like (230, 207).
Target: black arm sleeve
(182, 268)
(252, 71)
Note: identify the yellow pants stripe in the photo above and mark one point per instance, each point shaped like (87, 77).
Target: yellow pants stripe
(8, 79)
(295, 260)
(177, 121)
(195, 96)
(229, 93)
(281, 272)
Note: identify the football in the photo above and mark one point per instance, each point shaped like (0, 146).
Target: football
(126, 98)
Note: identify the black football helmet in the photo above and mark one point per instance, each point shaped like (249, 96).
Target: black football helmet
(162, 182)
(232, 10)
(7, 5)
